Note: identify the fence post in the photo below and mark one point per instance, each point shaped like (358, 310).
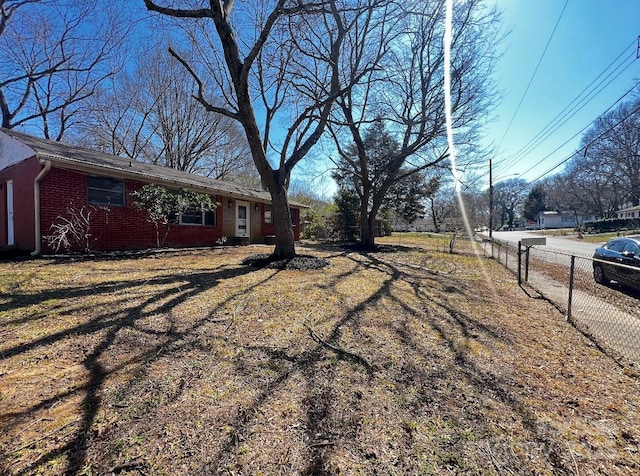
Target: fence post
(506, 256)
(519, 262)
(571, 276)
(526, 268)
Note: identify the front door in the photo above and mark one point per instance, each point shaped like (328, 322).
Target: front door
(11, 239)
(242, 219)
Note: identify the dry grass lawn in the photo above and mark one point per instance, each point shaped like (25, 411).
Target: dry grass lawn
(404, 361)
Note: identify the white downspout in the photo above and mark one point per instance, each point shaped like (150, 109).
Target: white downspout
(36, 205)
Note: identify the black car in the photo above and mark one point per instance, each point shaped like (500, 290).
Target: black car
(618, 260)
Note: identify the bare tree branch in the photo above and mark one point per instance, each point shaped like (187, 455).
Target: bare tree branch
(53, 56)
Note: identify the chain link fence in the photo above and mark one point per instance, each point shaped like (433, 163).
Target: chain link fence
(608, 314)
(504, 252)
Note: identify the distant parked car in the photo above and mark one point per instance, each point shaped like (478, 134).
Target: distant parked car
(608, 260)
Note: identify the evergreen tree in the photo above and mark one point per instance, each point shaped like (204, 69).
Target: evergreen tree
(347, 204)
(534, 203)
(406, 198)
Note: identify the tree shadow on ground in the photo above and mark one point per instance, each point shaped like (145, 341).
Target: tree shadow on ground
(326, 429)
(427, 375)
(105, 327)
(455, 329)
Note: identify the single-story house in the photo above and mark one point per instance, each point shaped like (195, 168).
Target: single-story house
(42, 180)
(420, 224)
(629, 212)
(559, 219)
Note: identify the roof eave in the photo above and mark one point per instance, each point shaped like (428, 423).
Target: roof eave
(117, 172)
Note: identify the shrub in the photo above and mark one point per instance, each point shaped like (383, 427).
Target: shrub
(73, 230)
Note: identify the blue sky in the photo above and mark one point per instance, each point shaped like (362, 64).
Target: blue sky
(590, 35)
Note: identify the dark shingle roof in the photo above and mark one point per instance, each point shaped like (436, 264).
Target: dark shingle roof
(80, 158)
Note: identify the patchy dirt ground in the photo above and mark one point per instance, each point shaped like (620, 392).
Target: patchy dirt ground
(407, 361)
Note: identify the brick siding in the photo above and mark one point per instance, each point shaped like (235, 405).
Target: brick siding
(115, 227)
(22, 174)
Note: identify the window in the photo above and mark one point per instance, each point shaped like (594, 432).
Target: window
(633, 248)
(616, 245)
(191, 217)
(105, 191)
(267, 214)
(198, 217)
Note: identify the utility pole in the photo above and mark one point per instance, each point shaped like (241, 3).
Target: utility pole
(490, 201)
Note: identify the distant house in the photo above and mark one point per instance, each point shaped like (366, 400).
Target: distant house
(560, 219)
(420, 224)
(629, 212)
(426, 224)
(41, 179)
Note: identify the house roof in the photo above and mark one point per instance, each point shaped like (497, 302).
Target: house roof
(91, 161)
(562, 214)
(549, 213)
(629, 209)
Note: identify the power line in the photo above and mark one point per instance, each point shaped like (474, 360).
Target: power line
(573, 107)
(534, 73)
(636, 109)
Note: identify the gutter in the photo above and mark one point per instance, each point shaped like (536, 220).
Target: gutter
(36, 205)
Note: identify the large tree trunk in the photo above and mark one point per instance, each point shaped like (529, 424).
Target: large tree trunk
(367, 233)
(285, 239)
(367, 224)
(275, 181)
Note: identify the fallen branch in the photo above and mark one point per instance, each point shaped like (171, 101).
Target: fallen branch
(498, 466)
(322, 443)
(233, 317)
(337, 350)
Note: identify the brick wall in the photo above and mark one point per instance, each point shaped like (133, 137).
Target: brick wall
(116, 228)
(228, 217)
(112, 228)
(22, 174)
(269, 229)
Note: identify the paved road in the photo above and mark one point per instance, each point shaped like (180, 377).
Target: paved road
(561, 243)
(604, 321)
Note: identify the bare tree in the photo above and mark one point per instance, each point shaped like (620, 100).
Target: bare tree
(591, 185)
(442, 206)
(476, 204)
(53, 56)
(509, 196)
(150, 115)
(404, 94)
(116, 121)
(604, 173)
(284, 57)
(614, 143)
